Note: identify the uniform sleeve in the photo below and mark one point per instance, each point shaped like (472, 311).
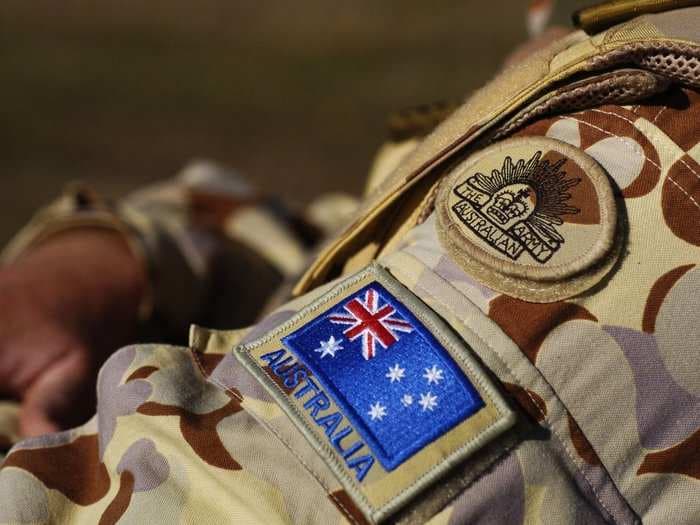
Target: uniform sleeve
(166, 446)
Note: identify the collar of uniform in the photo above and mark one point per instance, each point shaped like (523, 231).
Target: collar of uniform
(577, 54)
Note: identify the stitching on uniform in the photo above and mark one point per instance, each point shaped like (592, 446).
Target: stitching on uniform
(532, 399)
(685, 192)
(428, 204)
(544, 293)
(668, 176)
(544, 416)
(195, 355)
(690, 168)
(631, 122)
(612, 114)
(692, 199)
(613, 134)
(347, 513)
(659, 114)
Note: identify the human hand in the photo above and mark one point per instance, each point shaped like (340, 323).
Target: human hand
(65, 306)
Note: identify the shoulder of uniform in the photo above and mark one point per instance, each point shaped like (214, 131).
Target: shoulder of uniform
(624, 64)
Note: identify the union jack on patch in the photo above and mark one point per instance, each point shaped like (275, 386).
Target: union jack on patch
(372, 323)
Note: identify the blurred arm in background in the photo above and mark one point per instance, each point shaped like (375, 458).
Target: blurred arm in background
(86, 277)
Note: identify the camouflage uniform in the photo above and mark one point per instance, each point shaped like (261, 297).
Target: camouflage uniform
(594, 362)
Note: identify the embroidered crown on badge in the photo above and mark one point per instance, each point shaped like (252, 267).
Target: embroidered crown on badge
(525, 200)
(532, 217)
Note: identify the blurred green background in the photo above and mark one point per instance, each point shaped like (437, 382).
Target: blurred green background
(293, 94)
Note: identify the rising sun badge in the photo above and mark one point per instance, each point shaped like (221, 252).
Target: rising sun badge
(531, 217)
(518, 207)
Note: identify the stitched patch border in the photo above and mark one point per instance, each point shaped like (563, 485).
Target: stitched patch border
(532, 217)
(384, 491)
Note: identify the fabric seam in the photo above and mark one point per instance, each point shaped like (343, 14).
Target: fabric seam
(668, 175)
(545, 417)
(208, 379)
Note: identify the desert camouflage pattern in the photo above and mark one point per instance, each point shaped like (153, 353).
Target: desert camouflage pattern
(605, 384)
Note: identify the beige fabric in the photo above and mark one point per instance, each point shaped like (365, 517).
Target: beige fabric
(330, 212)
(274, 240)
(531, 217)
(386, 160)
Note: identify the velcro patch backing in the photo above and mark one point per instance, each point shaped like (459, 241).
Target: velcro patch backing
(381, 387)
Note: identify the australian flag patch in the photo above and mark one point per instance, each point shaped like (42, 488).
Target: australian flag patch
(381, 387)
(387, 373)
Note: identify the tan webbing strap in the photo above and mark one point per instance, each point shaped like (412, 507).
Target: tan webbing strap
(607, 14)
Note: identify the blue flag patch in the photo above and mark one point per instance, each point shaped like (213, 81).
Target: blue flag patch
(380, 387)
(388, 374)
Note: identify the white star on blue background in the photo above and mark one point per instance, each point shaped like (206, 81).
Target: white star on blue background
(329, 347)
(396, 373)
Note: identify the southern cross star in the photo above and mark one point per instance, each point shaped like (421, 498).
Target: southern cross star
(433, 375)
(428, 401)
(407, 400)
(377, 411)
(329, 347)
(396, 373)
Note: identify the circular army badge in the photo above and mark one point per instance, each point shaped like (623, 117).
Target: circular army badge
(531, 217)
